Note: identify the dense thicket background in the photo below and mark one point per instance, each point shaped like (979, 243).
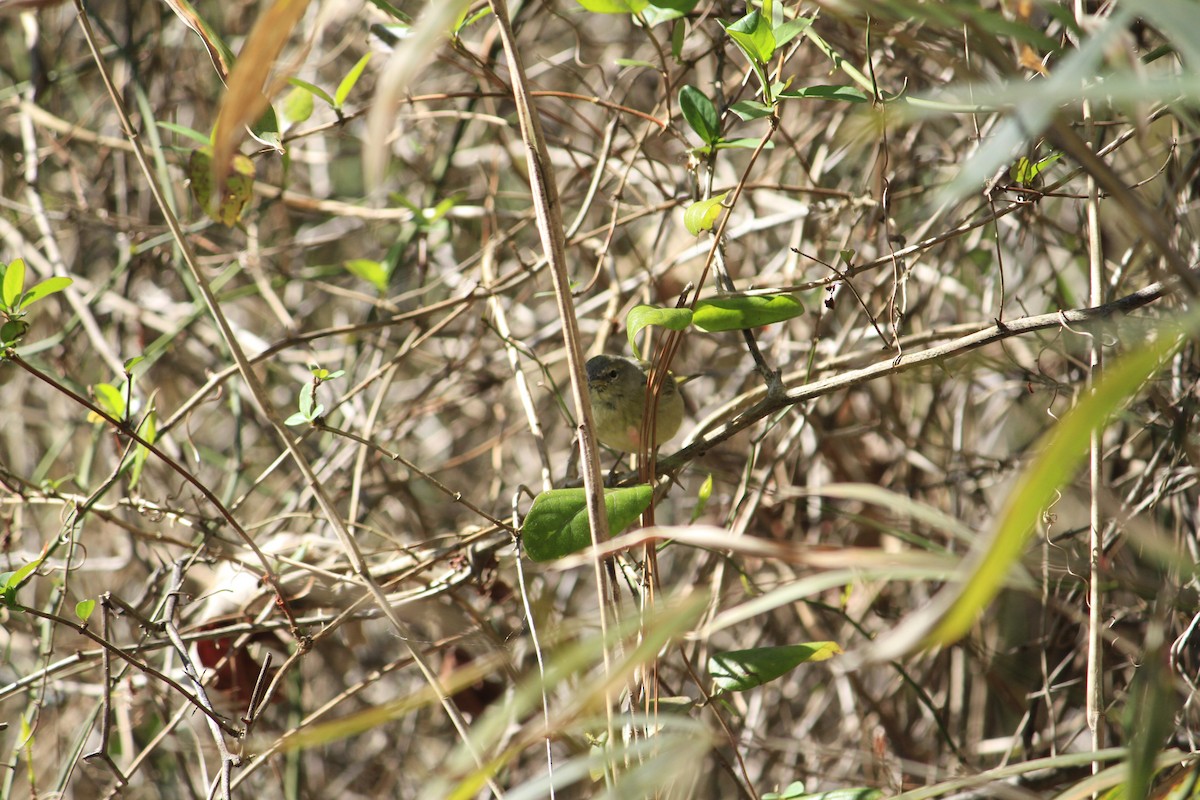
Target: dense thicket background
(849, 208)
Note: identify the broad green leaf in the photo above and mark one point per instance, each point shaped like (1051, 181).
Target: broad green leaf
(371, 271)
(614, 6)
(557, 524)
(639, 317)
(14, 284)
(849, 94)
(739, 313)
(84, 609)
(702, 215)
(754, 37)
(347, 85)
(740, 670)
(297, 105)
(700, 114)
(45, 288)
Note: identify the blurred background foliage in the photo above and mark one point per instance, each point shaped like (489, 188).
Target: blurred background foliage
(408, 295)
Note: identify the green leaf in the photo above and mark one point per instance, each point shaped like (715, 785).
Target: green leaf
(557, 524)
(739, 313)
(12, 332)
(11, 581)
(1024, 171)
(109, 398)
(307, 399)
(297, 419)
(297, 105)
(739, 670)
(700, 114)
(745, 144)
(702, 215)
(373, 272)
(347, 85)
(131, 363)
(634, 62)
(45, 288)
(13, 285)
(614, 6)
(754, 37)
(639, 317)
(751, 109)
(848, 94)
(84, 609)
(186, 132)
(790, 30)
(702, 497)
(313, 89)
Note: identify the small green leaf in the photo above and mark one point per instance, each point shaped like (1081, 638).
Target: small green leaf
(557, 523)
(84, 609)
(739, 313)
(702, 215)
(639, 317)
(12, 332)
(308, 399)
(1024, 171)
(297, 105)
(44, 289)
(754, 37)
(700, 114)
(13, 285)
(634, 62)
(847, 94)
(109, 398)
(702, 497)
(739, 670)
(314, 90)
(297, 419)
(678, 32)
(347, 85)
(373, 272)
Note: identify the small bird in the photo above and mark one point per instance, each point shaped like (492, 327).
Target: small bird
(617, 388)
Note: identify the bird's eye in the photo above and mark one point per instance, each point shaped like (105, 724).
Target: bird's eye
(612, 374)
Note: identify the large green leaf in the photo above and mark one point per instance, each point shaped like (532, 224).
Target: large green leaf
(701, 114)
(639, 317)
(738, 313)
(557, 524)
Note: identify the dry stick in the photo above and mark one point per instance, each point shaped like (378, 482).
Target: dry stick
(329, 510)
(762, 404)
(1094, 676)
(550, 228)
(125, 429)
